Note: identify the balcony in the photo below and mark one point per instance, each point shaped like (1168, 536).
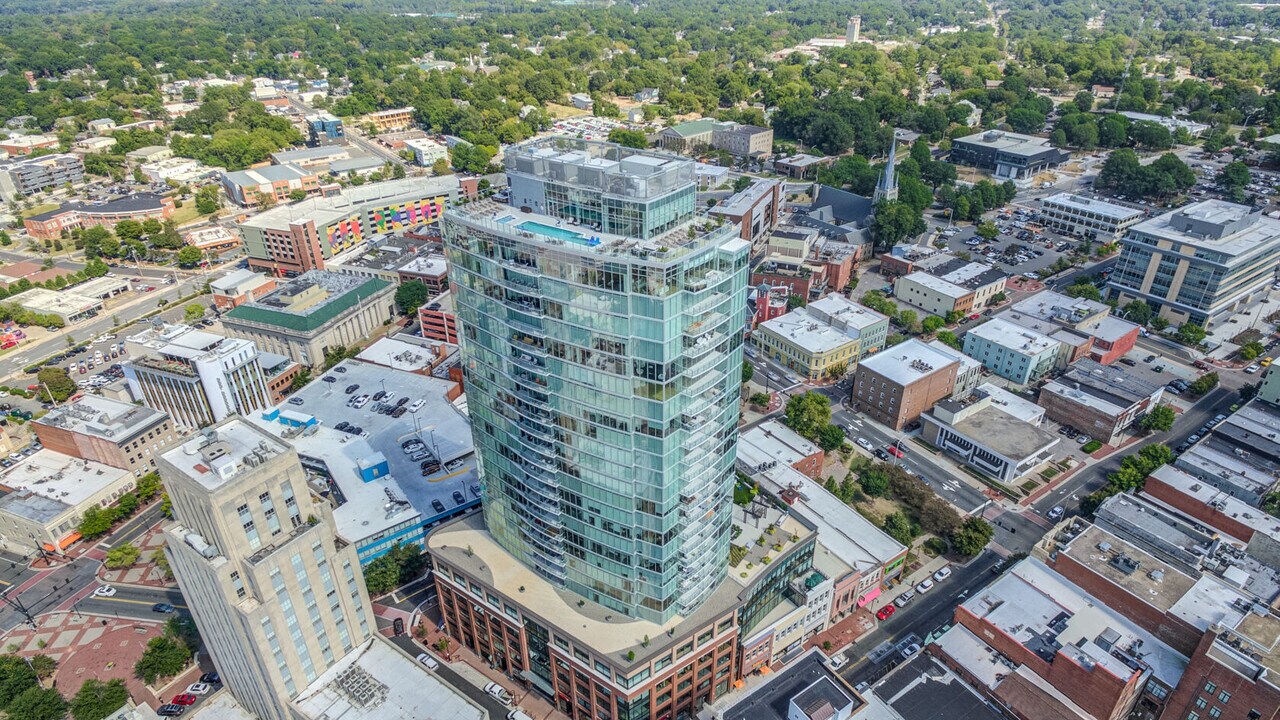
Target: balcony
(527, 361)
(703, 325)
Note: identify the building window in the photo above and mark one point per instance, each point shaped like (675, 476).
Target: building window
(1193, 715)
(1224, 696)
(1215, 712)
(1201, 703)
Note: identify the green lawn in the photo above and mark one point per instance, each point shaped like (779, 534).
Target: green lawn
(187, 214)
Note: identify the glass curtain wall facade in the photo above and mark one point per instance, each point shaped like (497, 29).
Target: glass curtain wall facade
(602, 388)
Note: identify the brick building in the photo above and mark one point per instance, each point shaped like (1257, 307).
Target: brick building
(785, 446)
(438, 319)
(73, 216)
(897, 385)
(1098, 400)
(111, 432)
(754, 210)
(239, 287)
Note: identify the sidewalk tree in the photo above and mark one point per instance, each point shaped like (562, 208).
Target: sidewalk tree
(1191, 333)
(1086, 290)
(1160, 419)
(95, 268)
(1138, 311)
(38, 703)
(96, 699)
(148, 485)
(165, 657)
(97, 521)
(807, 414)
(401, 564)
(748, 372)
(412, 295)
(1203, 384)
(189, 257)
(122, 556)
(932, 324)
(193, 312)
(949, 339)
(1252, 350)
(15, 678)
(129, 230)
(972, 536)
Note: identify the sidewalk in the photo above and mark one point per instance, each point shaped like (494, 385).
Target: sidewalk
(476, 671)
(143, 573)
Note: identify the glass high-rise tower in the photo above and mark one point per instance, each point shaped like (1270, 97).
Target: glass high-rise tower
(602, 325)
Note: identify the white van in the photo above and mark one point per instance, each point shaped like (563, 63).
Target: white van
(517, 715)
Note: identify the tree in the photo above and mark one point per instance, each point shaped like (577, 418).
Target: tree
(1159, 419)
(96, 699)
(972, 536)
(412, 295)
(129, 230)
(398, 566)
(874, 482)
(193, 312)
(894, 222)
(808, 413)
(440, 167)
(949, 339)
(830, 438)
(1252, 350)
(97, 521)
(15, 678)
(742, 183)
(988, 231)
(1203, 384)
(55, 384)
(207, 200)
(43, 665)
(297, 195)
(147, 486)
(1191, 333)
(1138, 311)
(165, 657)
(899, 527)
(932, 324)
(95, 268)
(189, 256)
(628, 138)
(1234, 178)
(1085, 290)
(748, 372)
(39, 703)
(122, 556)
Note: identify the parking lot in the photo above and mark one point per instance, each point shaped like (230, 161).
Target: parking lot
(353, 432)
(1022, 247)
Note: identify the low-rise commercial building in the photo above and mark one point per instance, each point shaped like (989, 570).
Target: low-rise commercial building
(50, 492)
(396, 259)
(1087, 326)
(987, 433)
(27, 144)
(801, 278)
(178, 170)
(319, 157)
(1098, 400)
(1087, 217)
(111, 432)
(149, 154)
(1200, 263)
(754, 210)
(139, 207)
(70, 306)
(969, 374)
(1090, 654)
(325, 129)
(802, 166)
(393, 119)
(426, 151)
(1188, 495)
(738, 140)
(292, 239)
(98, 144)
(824, 340)
(1012, 351)
(773, 442)
(313, 313)
(896, 386)
(212, 239)
(270, 184)
(197, 377)
(103, 288)
(28, 176)
(238, 287)
(1241, 456)
(1172, 124)
(941, 283)
(1008, 155)
(933, 294)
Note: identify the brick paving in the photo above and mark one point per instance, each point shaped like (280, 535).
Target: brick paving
(93, 647)
(144, 572)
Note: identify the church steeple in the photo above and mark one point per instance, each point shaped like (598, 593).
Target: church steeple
(887, 188)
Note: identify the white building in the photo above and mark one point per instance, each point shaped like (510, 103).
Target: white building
(199, 378)
(1088, 217)
(51, 492)
(1195, 129)
(426, 151)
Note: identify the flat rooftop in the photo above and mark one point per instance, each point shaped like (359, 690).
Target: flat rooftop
(853, 539)
(1013, 337)
(236, 281)
(267, 175)
(308, 301)
(1015, 405)
(778, 442)
(101, 417)
(807, 679)
(62, 302)
(1255, 427)
(1232, 232)
(387, 253)
(1109, 382)
(440, 424)
(1055, 307)
(925, 689)
(1214, 499)
(907, 362)
(1025, 692)
(216, 455)
(377, 681)
(324, 210)
(844, 314)
(935, 284)
(398, 354)
(1046, 614)
(466, 543)
(808, 332)
(1005, 434)
(47, 483)
(742, 201)
(1101, 208)
(1216, 457)
(138, 202)
(1008, 142)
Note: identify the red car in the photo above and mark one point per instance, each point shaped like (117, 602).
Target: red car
(895, 451)
(184, 699)
(884, 612)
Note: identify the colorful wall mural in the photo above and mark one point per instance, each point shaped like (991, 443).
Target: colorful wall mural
(352, 229)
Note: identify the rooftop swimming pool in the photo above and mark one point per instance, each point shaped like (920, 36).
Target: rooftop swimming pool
(557, 232)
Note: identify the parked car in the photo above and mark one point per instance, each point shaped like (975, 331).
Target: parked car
(499, 693)
(211, 678)
(458, 497)
(428, 661)
(924, 586)
(437, 505)
(1253, 368)
(884, 612)
(198, 688)
(865, 444)
(895, 451)
(910, 650)
(417, 405)
(942, 574)
(170, 710)
(184, 699)
(838, 661)
(881, 454)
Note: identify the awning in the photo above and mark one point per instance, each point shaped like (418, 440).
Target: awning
(871, 595)
(71, 537)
